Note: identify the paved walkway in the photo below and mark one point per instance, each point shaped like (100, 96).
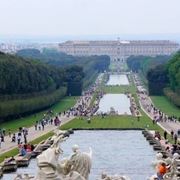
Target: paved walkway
(32, 134)
(146, 102)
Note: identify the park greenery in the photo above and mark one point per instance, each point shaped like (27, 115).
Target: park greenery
(28, 86)
(91, 65)
(162, 74)
(29, 121)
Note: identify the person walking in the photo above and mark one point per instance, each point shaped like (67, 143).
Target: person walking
(175, 138)
(165, 135)
(172, 134)
(19, 139)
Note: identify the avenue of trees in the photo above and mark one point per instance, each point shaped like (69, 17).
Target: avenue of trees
(91, 65)
(162, 73)
(29, 83)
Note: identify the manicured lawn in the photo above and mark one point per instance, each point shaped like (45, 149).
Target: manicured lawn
(119, 89)
(111, 122)
(116, 122)
(165, 105)
(28, 121)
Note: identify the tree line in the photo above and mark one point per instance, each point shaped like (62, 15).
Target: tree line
(29, 83)
(162, 73)
(91, 65)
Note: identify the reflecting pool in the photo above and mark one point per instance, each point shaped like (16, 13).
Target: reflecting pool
(114, 152)
(115, 79)
(119, 102)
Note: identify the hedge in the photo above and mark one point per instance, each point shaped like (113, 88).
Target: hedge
(15, 108)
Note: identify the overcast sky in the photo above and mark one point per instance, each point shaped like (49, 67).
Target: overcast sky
(88, 17)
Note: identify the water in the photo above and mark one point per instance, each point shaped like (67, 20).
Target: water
(120, 103)
(115, 152)
(118, 80)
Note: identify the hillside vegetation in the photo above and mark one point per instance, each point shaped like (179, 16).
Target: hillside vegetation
(28, 85)
(91, 65)
(162, 74)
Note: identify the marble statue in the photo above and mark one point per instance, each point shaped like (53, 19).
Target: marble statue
(48, 160)
(172, 164)
(104, 176)
(79, 162)
(159, 158)
(77, 167)
(172, 174)
(23, 177)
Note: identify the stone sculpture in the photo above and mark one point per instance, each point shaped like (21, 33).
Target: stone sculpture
(23, 177)
(48, 160)
(77, 167)
(159, 158)
(172, 163)
(104, 176)
(174, 172)
(78, 163)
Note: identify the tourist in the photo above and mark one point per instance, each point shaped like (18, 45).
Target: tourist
(4, 132)
(13, 138)
(165, 135)
(42, 124)
(172, 134)
(175, 138)
(25, 138)
(51, 121)
(35, 126)
(178, 132)
(2, 138)
(19, 139)
(28, 148)
(22, 151)
(19, 134)
(161, 170)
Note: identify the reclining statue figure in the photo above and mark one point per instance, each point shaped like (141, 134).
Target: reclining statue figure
(79, 162)
(77, 167)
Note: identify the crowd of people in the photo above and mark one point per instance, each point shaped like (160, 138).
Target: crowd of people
(25, 148)
(83, 107)
(157, 114)
(20, 136)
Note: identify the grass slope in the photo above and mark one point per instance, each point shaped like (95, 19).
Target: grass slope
(162, 103)
(28, 121)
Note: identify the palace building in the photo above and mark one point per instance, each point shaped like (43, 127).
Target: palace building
(119, 50)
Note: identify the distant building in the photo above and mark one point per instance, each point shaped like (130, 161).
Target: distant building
(119, 50)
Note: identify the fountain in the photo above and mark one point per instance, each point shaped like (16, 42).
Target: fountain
(114, 155)
(117, 79)
(77, 167)
(119, 102)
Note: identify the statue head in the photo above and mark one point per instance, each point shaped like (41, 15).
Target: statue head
(159, 155)
(175, 155)
(75, 148)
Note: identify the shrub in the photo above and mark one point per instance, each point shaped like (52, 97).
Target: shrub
(15, 108)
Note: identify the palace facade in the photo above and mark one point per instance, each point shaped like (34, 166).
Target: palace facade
(119, 50)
